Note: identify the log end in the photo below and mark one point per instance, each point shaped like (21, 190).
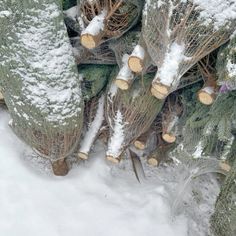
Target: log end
(89, 41)
(224, 166)
(115, 160)
(205, 97)
(157, 94)
(60, 167)
(1, 96)
(135, 64)
(152, 161)
(139, 145)
(122, 84)
(83, 156)
(169, 138)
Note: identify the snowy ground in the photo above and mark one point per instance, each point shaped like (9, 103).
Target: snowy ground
(94, 199)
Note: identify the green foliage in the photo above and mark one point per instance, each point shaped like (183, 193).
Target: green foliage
(94, 79)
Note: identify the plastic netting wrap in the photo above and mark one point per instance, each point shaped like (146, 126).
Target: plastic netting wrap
(224, 218)
(179, 33)
(119, 16)
(226, 66)
(100, 55)
(129, 114)
(94, 79)
(39, 77)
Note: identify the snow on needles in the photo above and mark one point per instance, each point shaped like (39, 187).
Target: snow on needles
(46, 68)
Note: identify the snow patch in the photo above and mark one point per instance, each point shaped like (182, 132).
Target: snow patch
(168, 71)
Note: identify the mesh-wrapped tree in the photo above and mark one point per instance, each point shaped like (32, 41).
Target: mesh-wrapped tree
(129, 114)
(106, 19)
(226, 66)
(39, 79)
(100, 55)
(224, 218)
(179, 33)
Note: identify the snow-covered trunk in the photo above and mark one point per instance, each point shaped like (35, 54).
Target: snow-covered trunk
(125, 77)
(139, 60)
(93, 127)
(39, 78)
(224, 218)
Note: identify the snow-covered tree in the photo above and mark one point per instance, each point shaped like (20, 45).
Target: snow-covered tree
(178, 33)
(39, 78)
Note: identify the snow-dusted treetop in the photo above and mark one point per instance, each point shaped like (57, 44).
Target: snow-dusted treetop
(39, 55)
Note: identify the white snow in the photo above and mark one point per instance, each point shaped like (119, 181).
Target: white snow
(94, 199)
(168, 71)
(125, 73)
(138, 52)
(93, 128)
(117, 139)
(217, 12)
(96, 25)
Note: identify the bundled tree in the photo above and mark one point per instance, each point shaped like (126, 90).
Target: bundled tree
(129, 114)
(179, 33)
(226, 66)
(101, 55)
(39, 79)
(107, 19)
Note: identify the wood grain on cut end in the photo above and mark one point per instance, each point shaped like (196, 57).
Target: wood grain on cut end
(205, 98)
(1, 96)
(90, 41)
(152, 161)
(135, 64)
(112, 159)
(157, 94)
(224, 166)
(122, 84)
(139, 145)
(83, 156)
(169, 138)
